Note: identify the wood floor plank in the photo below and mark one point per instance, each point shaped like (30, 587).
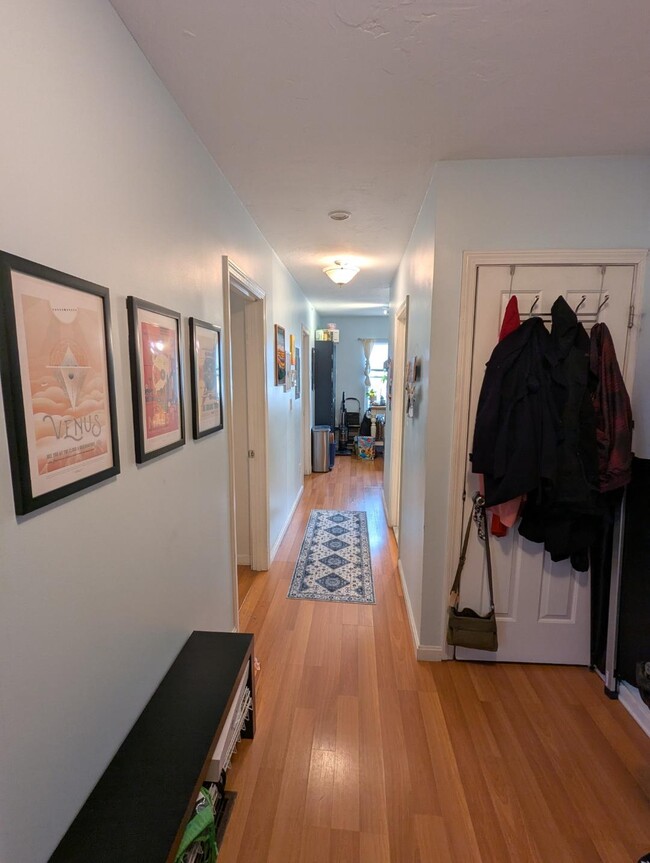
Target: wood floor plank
(364, 754)
(345, 801)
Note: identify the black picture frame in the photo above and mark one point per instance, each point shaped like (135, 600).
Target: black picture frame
(205, 378)
(58, 382)
(156, 378)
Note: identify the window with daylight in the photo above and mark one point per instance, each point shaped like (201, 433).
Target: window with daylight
(378, 374)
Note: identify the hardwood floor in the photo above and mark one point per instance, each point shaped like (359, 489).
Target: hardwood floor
(363, 754)
(245, 579)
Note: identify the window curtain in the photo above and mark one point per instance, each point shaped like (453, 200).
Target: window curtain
(368, 345)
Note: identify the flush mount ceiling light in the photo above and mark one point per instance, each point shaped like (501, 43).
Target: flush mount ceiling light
(339, 215)
(341, 272)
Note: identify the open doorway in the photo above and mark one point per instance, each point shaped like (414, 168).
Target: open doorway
(398, 407)
(247, 423)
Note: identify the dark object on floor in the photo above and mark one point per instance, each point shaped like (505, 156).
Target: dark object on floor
(222, 814)
(600, 557)
(645, 858)
(643, 680)
(634, 613)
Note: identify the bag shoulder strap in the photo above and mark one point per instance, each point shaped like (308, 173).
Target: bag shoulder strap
(477, 513)
(455, 588)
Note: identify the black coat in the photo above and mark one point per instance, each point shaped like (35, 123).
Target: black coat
(566, 515)
(518, 423)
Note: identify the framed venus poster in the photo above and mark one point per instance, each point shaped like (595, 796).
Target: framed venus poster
(205, 372)
(56, 363)
(156, 378)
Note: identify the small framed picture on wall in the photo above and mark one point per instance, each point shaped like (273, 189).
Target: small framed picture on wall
(156, 378)
(298, 372)
(205, 373)
(280, 356)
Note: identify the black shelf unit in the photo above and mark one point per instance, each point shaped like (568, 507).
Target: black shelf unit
(140, 806)
(325, 384)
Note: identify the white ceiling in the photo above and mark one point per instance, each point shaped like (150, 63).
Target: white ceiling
(314, 105)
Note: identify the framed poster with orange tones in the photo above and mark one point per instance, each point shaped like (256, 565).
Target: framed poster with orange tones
(280, 356)
(56, 366)
(156, 378)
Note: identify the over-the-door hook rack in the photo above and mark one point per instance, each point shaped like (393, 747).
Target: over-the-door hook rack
(583, 300)
(535, 301)
(604, 303)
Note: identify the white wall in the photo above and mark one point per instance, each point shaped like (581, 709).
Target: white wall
(102, 177)
(350, 360)
(513, 204)
(414, 279)
(287, 307)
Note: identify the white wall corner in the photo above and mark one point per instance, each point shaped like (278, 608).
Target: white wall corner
(423, 652)
(243, 560)
(383, 500)
(631, 700)
(285, 527)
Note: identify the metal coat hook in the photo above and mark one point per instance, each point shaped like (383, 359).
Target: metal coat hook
(535, 301)
(604, 303)
(583, 300)
(512, 279)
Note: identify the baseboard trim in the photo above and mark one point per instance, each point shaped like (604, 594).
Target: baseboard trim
(429, 653)
(423, 652)
(631, 700)
(243, 560)
(285, 528)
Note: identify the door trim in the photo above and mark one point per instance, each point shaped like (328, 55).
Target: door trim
(469, 284)
(397, 417)
(257, 403)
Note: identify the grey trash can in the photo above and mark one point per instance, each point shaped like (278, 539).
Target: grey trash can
(320, 449)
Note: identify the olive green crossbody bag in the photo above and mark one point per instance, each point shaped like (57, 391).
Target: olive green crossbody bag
(468, 628)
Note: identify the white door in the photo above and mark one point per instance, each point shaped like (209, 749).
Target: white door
(543, 608)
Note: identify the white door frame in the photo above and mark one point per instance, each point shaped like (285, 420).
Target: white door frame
(257, 404)
(397, 415)
(471, 263)
(305, 395)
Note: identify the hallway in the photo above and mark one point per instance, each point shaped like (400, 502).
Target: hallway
(363, 754)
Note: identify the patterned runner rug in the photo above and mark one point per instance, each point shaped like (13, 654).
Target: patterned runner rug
(334, 560)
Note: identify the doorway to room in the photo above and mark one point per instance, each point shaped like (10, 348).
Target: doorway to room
(247, 422)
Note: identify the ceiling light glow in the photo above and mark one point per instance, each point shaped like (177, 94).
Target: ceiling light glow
(341, 272)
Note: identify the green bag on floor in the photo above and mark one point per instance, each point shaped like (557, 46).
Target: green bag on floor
(201, 828)
(466, 627)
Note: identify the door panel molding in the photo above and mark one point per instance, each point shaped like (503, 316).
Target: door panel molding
(635, 258)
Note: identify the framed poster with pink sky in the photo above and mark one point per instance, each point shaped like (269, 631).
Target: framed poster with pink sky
(56, 365)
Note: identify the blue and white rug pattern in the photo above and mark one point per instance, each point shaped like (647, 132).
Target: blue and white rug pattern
(334, 560)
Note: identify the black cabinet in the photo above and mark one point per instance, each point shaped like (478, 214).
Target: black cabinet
(325, 384)
(139, 808)
(634, 609)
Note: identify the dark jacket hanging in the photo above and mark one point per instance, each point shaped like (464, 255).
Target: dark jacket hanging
(518, 422)
(614, 442)
(565, 515)
(613, 412)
